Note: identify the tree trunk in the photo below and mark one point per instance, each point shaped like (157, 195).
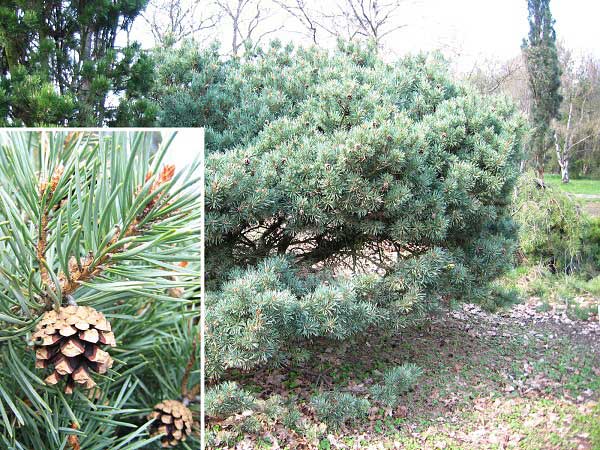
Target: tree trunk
(539, 166)
(540, 172)
(564, 171)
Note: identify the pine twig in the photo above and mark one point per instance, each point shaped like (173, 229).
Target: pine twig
(50, 188)
(41, 247)
(88, 271)
(192, 393)
(73, 439)
(186, 375)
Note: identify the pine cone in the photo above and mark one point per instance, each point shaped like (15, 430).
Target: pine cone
(174, 420)
(70, 341)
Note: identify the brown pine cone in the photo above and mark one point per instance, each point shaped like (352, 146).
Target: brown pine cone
(69, 340)
(174, 420)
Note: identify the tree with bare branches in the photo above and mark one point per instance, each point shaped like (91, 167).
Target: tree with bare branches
(248, 21)
(579, 120)
(308, 17)
(503, 77)
(373, 19)
(171, 21)
(370, 20)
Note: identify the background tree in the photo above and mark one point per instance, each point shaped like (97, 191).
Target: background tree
(98, 221)
(366, 20)
(371, 19)
(59, 63)
(579, 113)
(175, 20)
(247, 20)
(541, 59)
(308, 15)
(503, 77)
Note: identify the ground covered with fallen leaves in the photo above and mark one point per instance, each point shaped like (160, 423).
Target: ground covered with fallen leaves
(526, 377)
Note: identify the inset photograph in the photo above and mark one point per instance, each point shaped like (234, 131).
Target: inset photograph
(100, 239)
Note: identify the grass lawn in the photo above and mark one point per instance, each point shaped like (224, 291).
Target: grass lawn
(586, 186)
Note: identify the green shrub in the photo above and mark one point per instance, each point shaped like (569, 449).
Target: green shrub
(250, 424)
(336, 409)
(291, 418)
(221, 439)
(592, 242)
(551, 225)
(325, 165)
(396, 381)
(227, 399)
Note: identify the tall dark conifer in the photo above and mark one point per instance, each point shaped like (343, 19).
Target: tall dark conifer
(543, 69)
(59, 63)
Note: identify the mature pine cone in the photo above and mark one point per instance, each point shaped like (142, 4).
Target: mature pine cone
(174, 420)
(70, 341)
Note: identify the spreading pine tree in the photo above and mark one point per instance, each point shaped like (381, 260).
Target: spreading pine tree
(345, 193)
(99, 293)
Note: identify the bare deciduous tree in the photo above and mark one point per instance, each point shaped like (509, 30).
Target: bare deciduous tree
(508, 77)
(309, 18)
(579, 111)
(349, 19)
(373, 19)
(174, 20)
(248, 21)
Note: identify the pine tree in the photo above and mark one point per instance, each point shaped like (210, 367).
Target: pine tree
(59, 64)
(543, 67)
(327, 165)
(189, 90)
(99, 292)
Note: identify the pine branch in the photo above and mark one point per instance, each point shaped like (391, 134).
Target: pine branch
(103, 231)
(92, 267)
(46, 189)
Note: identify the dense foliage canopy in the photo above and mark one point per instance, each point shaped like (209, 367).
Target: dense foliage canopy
(340, 164)
(60, 64)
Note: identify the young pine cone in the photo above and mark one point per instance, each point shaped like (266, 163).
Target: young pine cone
(174, 420)
(69, 340)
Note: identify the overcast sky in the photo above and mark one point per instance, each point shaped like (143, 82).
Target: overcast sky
(187, 145)
(465, 30)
